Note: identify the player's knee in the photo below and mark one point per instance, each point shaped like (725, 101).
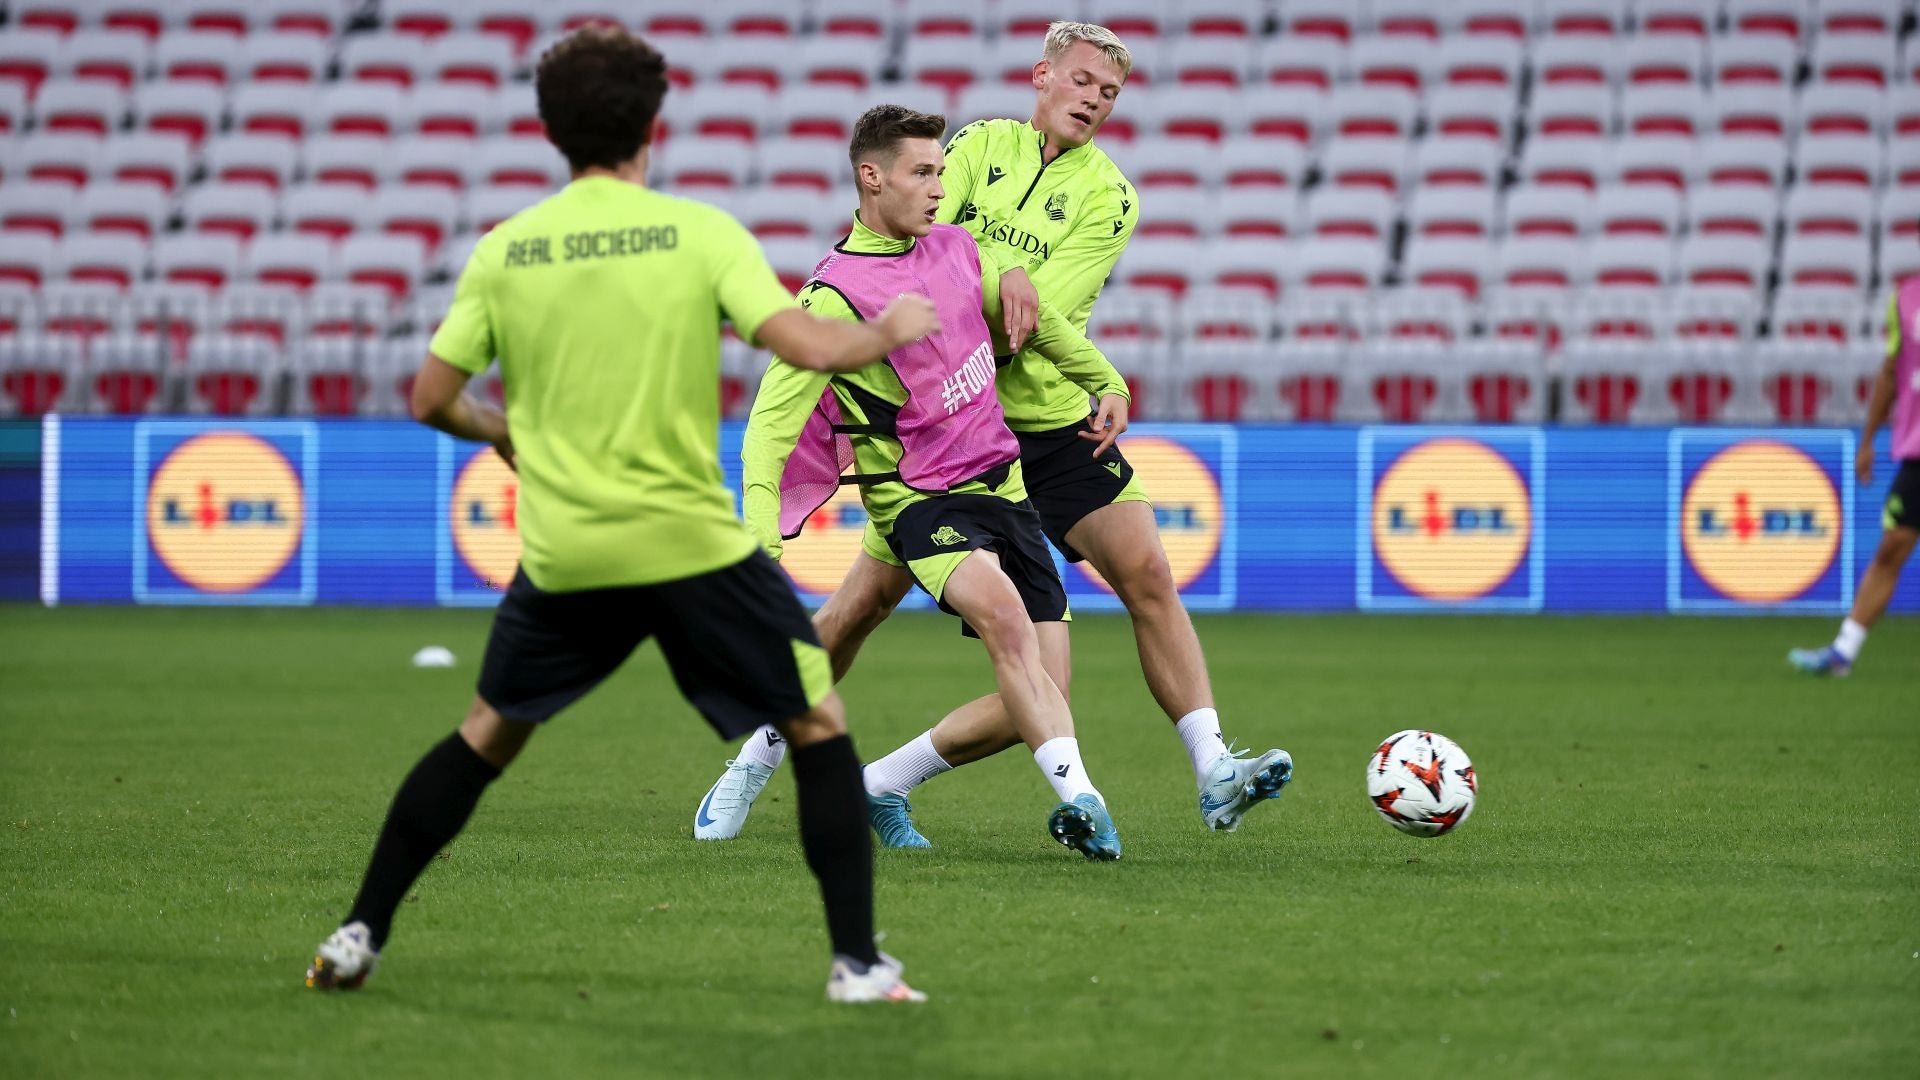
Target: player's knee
(1004, 626)
(879, 610)
(1896, 545)
(1143, 576)
(495, 738)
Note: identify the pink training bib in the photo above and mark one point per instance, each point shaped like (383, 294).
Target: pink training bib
(1906, 374)
(951, 428)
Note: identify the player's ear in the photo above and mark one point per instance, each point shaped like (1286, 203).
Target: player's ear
(868, 174)
(1040, 74)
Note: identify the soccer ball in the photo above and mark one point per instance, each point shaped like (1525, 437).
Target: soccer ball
(1421, 783)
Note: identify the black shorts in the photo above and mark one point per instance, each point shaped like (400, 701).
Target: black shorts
(1066, 482)
(1903, 499)
(928, 534)
(741, 647)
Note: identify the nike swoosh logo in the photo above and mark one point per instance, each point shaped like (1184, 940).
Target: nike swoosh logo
(700, 818)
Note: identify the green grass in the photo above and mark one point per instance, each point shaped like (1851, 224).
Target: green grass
(1686, 862)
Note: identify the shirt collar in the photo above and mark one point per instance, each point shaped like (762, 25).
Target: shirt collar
(864, 241)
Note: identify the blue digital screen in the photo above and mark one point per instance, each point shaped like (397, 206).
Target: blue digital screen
(1253, 518)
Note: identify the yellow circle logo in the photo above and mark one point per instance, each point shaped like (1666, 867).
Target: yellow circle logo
(1760, 522)
(225, 511)
(819, 558)
(1186, 505)
(482, 512)
(1452, 519)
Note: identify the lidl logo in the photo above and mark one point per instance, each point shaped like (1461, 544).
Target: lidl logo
(819, 558)
(482, 517)
(1186, 505)
(1761, 522)
(225, 512)
(1452, 520)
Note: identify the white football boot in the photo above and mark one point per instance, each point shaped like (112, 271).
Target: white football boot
(1237, 783)
(849, 984)
(344, 960)
(723, 812)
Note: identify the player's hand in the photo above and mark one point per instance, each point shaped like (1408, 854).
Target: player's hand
(1108, 422)
(1020, 305)
(1863, 463)
(907, 319)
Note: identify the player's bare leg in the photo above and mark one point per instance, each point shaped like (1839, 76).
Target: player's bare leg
(1883, 573)
(430, 809)
(1122, 541)
(864, 600)
(1030, 708)
(1869, 603)
(982, 728)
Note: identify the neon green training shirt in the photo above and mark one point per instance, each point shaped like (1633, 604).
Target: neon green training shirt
(788, 395)
(603, 304)
(1065, 222)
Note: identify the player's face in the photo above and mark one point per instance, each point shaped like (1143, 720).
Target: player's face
(910, 190)
(1077, 93)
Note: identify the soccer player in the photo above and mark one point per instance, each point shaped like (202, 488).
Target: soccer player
(938, 471)
(603, 305)
(1040, 197)
(1895, 392)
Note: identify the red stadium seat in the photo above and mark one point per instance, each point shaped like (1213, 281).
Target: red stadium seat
(1549, 210)
(1452, 211)
(205, 260)
(202, 56)
(115, 56)
(121, 206)
(66, 158)
(72, 107)
(190, 111)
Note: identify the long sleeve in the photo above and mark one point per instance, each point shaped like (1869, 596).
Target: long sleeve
(786, 397)
(1055, 338)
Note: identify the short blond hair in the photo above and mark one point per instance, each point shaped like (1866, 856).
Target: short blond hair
(1061, 36)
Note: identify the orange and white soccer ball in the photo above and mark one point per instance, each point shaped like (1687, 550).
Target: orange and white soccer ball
(1421, 783)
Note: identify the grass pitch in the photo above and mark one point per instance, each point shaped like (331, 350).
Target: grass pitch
(1686, 861)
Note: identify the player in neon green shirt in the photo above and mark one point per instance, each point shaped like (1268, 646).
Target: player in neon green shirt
(1053, 209)
(603, 305)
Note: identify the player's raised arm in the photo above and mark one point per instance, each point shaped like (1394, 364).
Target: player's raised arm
(763, 312)
(806, 340)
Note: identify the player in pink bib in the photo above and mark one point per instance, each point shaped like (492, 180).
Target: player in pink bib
(939, 474)
(1895, 392)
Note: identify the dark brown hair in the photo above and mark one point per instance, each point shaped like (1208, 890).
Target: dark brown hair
(877, 135)
(600, 89)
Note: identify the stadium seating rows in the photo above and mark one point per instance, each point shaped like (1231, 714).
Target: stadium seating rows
(1604, 210)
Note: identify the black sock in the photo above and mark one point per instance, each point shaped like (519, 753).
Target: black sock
(833, 830)
(433, 802)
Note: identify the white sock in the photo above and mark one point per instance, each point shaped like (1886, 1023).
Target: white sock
(1852, 636)
(1200, 730)
(906, 768)
(765, 746)
(1060, 760)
